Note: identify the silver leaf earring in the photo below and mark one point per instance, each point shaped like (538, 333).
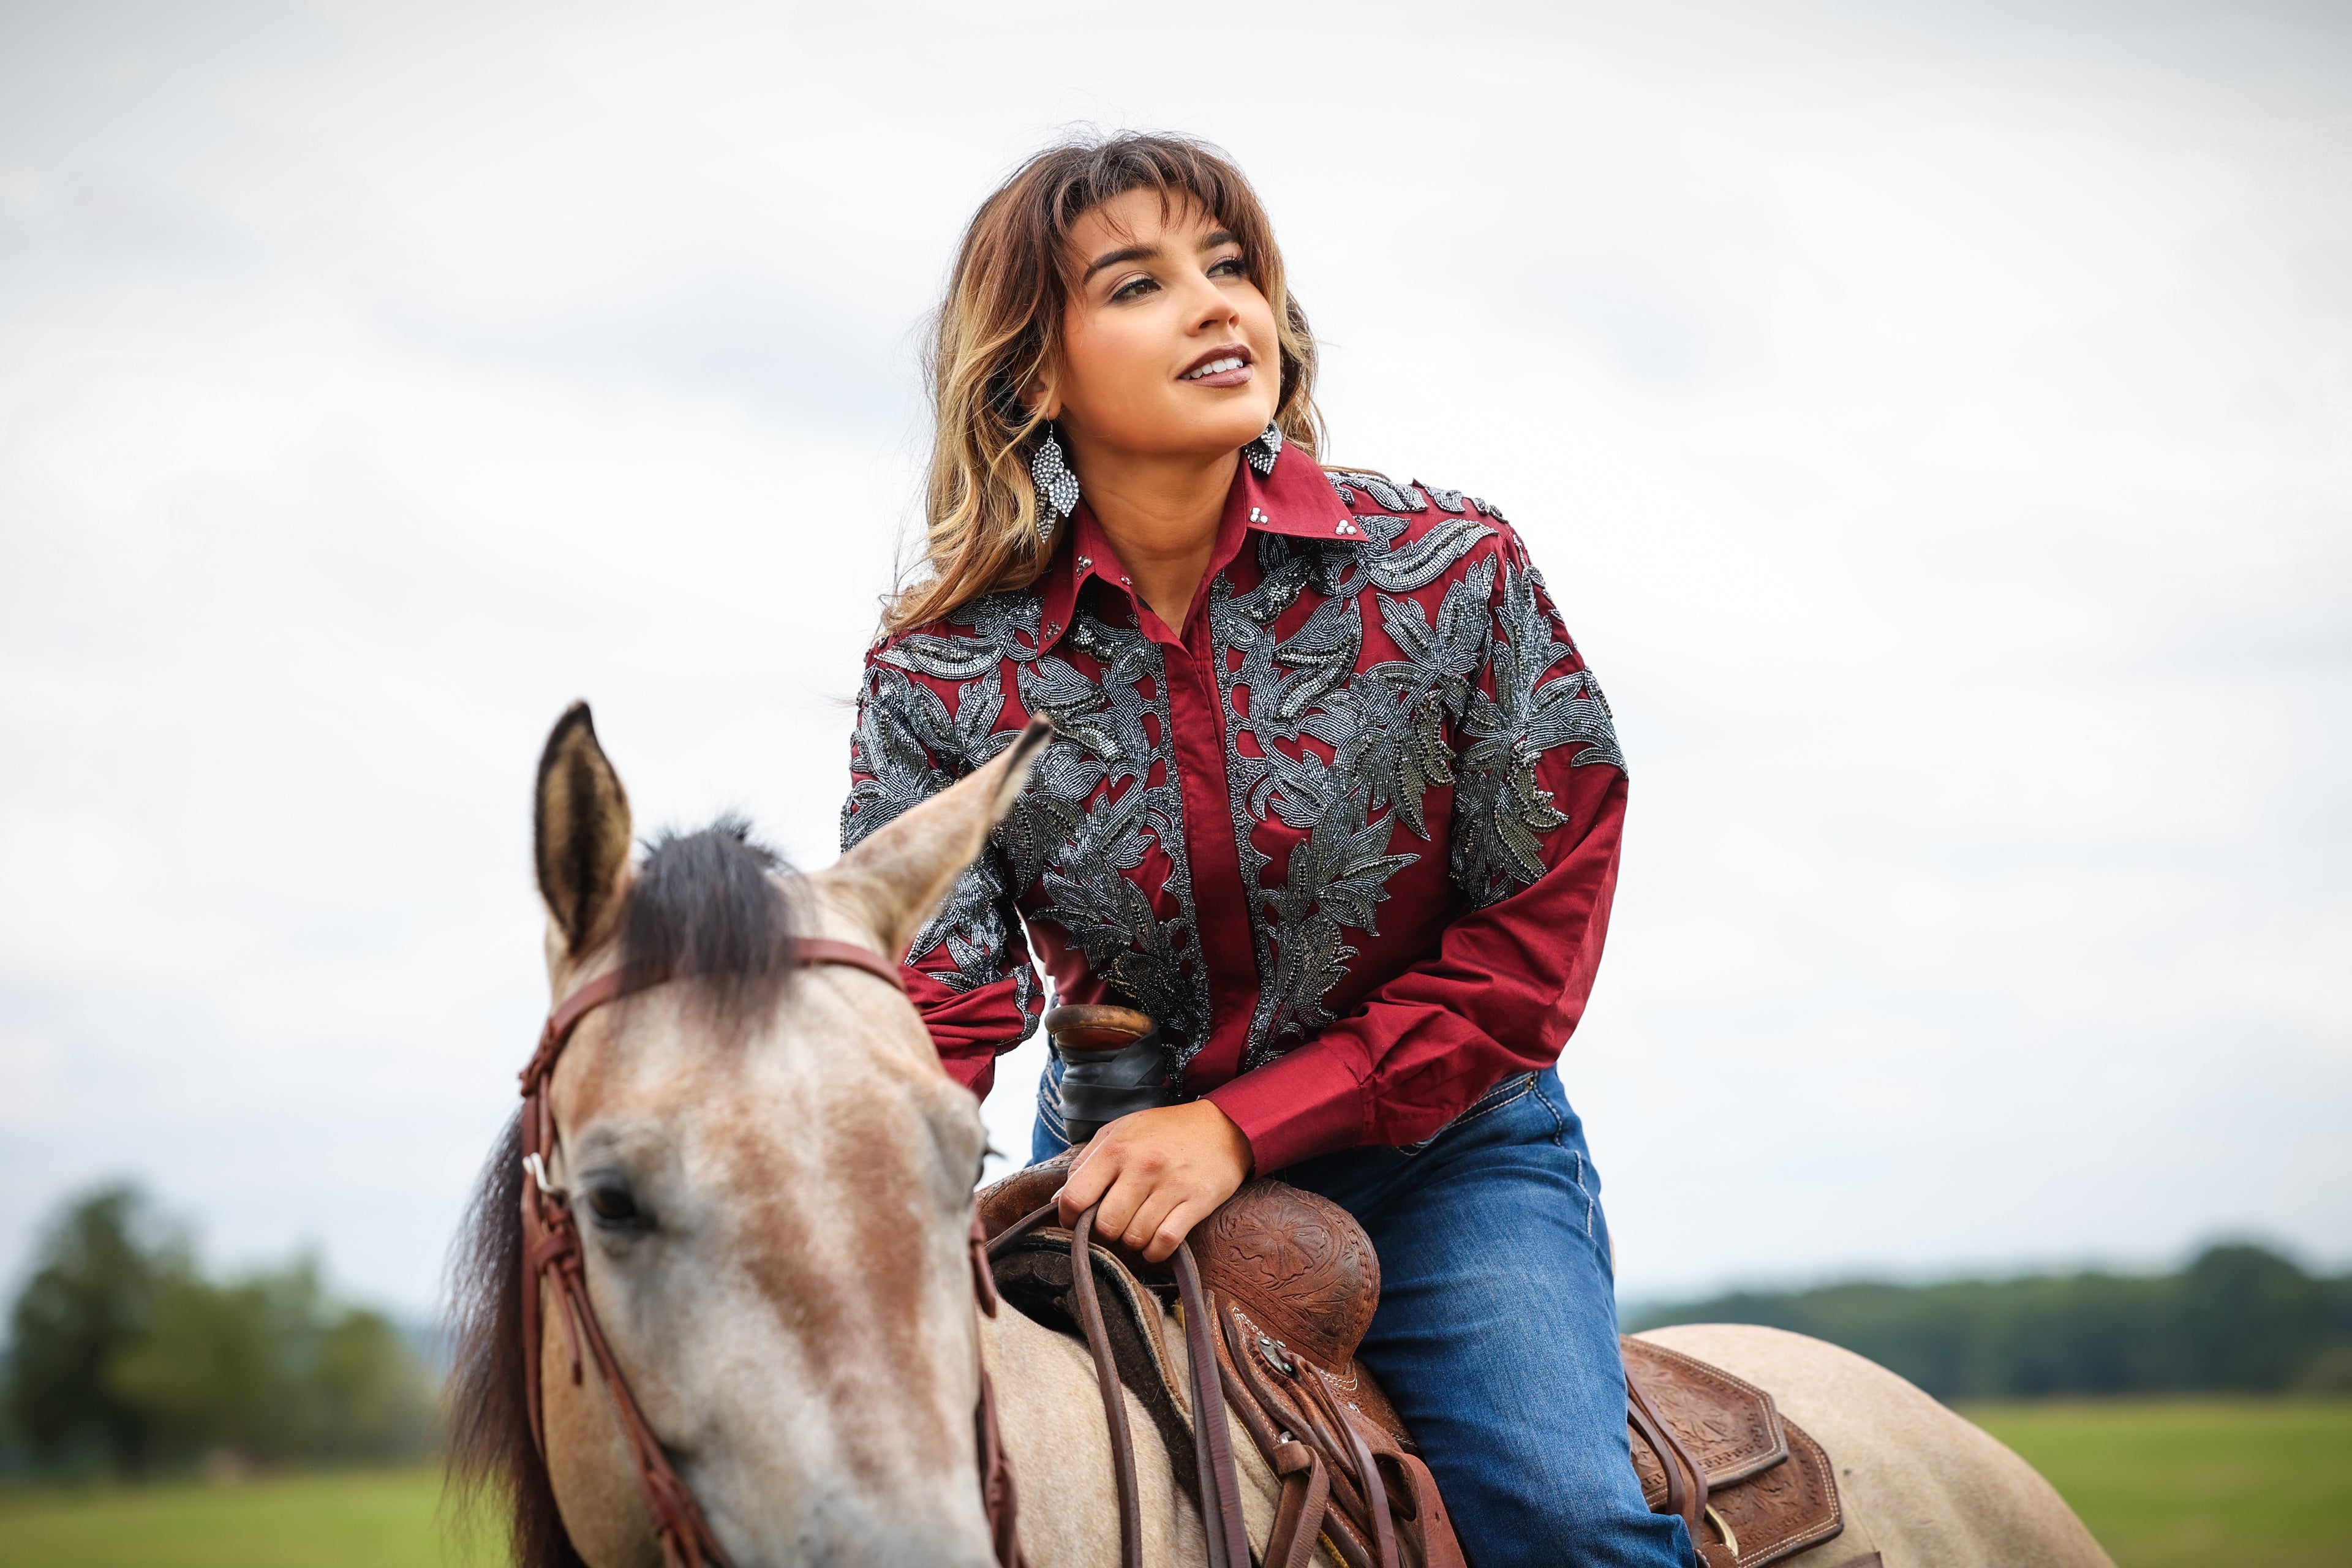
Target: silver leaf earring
(1261, 452)
(1057, 488)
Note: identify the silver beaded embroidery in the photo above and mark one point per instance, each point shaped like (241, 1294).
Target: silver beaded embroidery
(1386, 726)
(909, 746)
(1499, 809)
(1262, 452)
(1348, 482)
(1395, 730)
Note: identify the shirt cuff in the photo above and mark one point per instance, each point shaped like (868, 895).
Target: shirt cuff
(1296, 1107)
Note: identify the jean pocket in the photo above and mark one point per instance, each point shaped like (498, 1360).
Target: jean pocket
(1507, 1093)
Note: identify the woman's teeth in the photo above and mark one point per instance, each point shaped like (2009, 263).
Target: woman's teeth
(1216, 367)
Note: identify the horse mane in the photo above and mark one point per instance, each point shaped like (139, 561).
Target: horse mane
(708, 905)
(704, 905)
(491, 1452)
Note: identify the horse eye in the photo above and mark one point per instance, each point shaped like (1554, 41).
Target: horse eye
(612, 1203)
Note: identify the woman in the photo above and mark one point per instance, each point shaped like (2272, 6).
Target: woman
(1334, 801)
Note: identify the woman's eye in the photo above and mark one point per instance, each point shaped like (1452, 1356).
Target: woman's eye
(1231, 267)
(612, 1203)
(1134, 291)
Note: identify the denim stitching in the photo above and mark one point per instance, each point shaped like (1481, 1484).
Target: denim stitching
(1478, 1108)
(1482, 1108)
(1049, 1110)
(1560, 1141)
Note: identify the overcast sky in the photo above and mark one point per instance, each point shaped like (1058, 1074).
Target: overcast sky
(1936, 422)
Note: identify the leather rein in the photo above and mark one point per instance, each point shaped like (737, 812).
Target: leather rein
(1225, 1537)
(552, 1249)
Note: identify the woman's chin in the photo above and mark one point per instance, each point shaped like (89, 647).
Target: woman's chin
(1190, 431)
(1225, 429)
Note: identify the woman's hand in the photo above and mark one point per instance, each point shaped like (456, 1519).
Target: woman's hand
(1157, 1174)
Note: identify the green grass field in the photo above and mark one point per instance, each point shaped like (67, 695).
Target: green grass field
(2208, 1483)
(2164, 1484)
(383, 1518)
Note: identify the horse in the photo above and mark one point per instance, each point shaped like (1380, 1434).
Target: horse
(774, 1178)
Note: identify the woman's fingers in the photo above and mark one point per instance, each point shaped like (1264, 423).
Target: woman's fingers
(1156, 1174)
(1090, 1176)
(1112, 1153)
(1143, 1226)
(1127, 1195)
(1176, 1225)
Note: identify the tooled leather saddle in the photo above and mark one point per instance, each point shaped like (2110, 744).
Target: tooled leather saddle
(1292, 1281)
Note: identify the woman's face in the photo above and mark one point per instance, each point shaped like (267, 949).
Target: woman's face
(1168, 349)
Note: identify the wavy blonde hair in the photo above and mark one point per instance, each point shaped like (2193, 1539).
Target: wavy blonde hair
(999, 333)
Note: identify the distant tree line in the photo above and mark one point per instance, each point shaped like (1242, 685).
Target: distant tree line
(124, 1355)
(2239, 1319)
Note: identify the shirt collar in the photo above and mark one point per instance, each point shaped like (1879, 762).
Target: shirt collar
(1295, 500)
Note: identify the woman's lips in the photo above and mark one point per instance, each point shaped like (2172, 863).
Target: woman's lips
(1225, 367)
(1238, 377)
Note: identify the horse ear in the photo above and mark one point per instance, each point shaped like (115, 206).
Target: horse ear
(893, 880)
(579, 830)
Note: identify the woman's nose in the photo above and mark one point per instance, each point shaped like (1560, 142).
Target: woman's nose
(1213, 309)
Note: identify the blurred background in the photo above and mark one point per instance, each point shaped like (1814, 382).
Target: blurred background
(1935, 421)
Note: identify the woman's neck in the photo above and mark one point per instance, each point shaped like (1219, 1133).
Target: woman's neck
(1162, 514)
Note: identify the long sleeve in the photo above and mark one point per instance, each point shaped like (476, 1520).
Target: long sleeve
(967, 971)
(1539, 812)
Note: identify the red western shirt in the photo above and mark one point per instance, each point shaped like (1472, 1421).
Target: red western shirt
(1349, 834)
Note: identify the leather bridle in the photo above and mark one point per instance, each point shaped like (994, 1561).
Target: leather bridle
(551, 1246)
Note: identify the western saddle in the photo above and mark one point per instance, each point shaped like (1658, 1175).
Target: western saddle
(1289, 1281)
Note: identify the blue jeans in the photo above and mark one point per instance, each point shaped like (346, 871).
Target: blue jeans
(1496, 1334)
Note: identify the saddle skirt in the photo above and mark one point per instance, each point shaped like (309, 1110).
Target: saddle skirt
(1293, 1282)
(1771, 1492)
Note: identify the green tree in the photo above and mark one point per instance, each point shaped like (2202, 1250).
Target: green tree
(270, 1366)
(124, 1352)
(2251, 1317)
(374, 1401)
(219, 1365)
(2240, 1317)
(98, 1275)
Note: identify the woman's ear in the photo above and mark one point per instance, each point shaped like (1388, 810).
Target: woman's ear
(1041, 396)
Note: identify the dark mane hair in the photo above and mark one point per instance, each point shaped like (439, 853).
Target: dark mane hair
(704, 905)
(707, 905)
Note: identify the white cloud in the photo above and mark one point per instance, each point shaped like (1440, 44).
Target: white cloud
(1937, 426)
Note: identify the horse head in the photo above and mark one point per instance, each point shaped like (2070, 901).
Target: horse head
(771, 1176)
